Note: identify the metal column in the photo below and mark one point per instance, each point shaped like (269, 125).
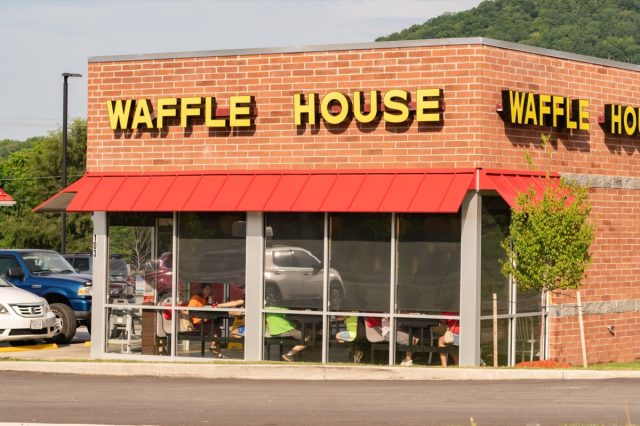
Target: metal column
(470, 280)
(98, 312)
(253, 286)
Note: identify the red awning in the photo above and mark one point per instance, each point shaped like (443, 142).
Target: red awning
(5, 199)
(284, 191)
(509, 184)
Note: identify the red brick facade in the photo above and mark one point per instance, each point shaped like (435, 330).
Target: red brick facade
(472, 134)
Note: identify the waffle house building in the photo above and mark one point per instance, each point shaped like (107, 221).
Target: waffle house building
(369, 181)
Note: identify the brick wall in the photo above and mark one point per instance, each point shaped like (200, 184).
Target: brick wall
(601, 345)
(613, 276)
(472, 135)
(276, 143)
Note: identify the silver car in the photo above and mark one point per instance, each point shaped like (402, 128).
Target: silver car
(293, 277)
(24, 317)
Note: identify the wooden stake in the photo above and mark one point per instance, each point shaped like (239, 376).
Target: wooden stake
(495, 330)
(582, 341)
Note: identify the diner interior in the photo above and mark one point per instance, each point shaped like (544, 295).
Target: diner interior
(327, 279)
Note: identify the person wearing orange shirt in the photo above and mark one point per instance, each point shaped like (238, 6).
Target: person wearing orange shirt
(198, 301)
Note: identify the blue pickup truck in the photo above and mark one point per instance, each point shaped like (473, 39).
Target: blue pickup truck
(47, 274)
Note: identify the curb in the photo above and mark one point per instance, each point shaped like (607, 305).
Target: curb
(310, 373)
(29, 347)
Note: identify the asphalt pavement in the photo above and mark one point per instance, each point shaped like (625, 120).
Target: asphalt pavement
(73, 399)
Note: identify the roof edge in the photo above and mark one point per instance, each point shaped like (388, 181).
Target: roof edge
(263, 172)
(370, 45)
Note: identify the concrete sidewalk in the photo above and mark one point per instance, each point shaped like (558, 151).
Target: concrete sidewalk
(301, 371)
(74, 359)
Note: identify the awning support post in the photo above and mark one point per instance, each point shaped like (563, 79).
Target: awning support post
(470, 293)
(99, 252)
(253, 287)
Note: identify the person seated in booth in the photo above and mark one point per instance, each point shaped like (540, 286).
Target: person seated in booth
(350, 335)
(454, 326)
(200, 300)
(350, 332)
(378, 330)
(237, 328)
(278, 325)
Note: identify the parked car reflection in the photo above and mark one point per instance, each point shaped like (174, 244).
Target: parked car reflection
(293, 277)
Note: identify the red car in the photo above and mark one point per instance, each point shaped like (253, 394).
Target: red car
(159, 273)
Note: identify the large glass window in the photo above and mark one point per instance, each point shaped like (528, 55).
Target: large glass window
(294, 261)
(496, 216)
(136, 243)
(137, 282)
(210, 285)
(360, 247)
(353, 280)
(212, 251)
(294, 281)
(511, 303)
(428, 263)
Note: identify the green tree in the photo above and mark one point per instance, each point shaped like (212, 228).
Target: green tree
(602, 28)
(547, 247)
(7, 146)
(33, 174)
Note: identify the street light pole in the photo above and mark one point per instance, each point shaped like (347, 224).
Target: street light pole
(65, 89)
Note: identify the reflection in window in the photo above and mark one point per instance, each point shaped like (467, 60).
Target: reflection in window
(496, 216)
(212, 253)
(136, 243)
(428, 271)
(293, 271)
(360, 248)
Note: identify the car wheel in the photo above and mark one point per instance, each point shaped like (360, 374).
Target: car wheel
(336, 297)
(66, 321)
(272, 296)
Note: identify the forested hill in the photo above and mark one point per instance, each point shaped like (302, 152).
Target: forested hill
(604, 28)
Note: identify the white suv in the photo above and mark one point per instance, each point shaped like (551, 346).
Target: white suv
(24, 316)
(293, 274)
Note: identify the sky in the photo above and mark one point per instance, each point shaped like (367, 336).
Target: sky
(40, 40)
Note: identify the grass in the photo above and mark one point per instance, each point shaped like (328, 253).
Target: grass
(631, 365)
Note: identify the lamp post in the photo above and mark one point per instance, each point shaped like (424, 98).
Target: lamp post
(65, 89)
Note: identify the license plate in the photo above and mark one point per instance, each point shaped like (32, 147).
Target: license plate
(36, 324)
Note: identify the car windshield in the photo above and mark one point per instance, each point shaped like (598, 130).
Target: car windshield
(4, 283)
(46, 262)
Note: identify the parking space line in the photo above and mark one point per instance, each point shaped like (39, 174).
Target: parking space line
(29, 347)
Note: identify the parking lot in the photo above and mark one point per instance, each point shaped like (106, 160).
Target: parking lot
(78, 349)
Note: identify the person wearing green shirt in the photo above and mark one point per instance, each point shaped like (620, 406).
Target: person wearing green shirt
(278, 325)
(349, 334)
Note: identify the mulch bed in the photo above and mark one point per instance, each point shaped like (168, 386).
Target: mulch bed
(549, 363)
